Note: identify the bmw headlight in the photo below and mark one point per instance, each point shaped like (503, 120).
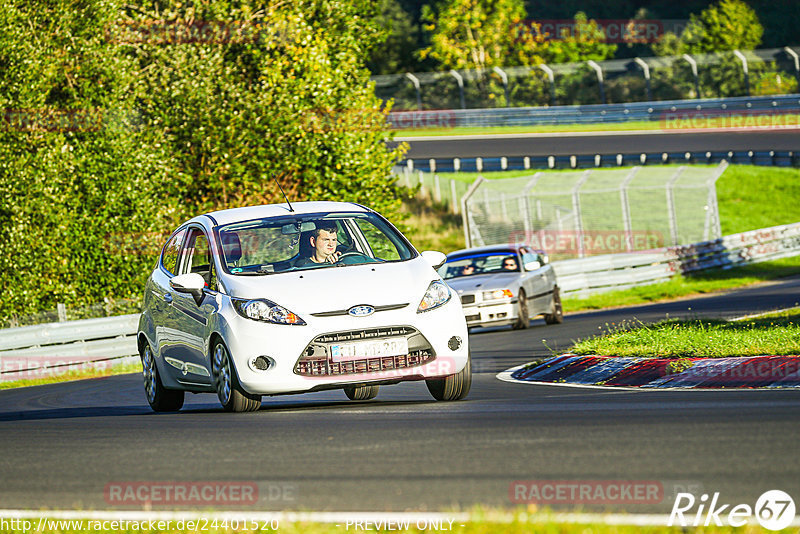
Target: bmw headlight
(437, 294)
(265, 310)
(498, 294)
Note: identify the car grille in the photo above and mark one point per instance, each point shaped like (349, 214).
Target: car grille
(476, 317)
(315, 360)
(467, 299)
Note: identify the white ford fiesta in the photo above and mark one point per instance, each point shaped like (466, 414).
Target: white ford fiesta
(277, 299)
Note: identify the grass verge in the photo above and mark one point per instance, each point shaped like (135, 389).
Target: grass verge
(655, 126)
(54, 376)
(685, 286)
(776, 334)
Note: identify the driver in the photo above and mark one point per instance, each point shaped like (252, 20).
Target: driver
(323, 242)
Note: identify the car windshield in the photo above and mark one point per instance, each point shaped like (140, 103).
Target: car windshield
(297, 243)
(494, 262)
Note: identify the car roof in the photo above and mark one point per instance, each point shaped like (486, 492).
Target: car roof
(505, 248)
(276, 210)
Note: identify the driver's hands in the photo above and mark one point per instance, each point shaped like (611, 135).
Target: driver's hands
(333, 258)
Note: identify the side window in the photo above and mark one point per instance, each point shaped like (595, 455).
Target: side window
(169, 258)
(382, 247)
(529, 256)
(197, 257)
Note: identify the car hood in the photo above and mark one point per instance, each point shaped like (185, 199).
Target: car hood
(339, 288)
(483, 282)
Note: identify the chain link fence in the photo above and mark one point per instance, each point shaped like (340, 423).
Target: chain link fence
(574, 214)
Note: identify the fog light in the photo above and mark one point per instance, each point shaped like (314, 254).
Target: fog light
(454, 343)
(261, 363)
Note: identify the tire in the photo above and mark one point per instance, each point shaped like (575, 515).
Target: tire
(557, 317)
(158, 397)
(359, 393)
(454, 387)
(523, 316)
(230, 394)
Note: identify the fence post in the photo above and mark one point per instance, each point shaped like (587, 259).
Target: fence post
(460, 82)
(437, 191)
(791, 53)
(62, 312)
(529, 227)
(745, 70)
(693, 64)
(712, 221)
(626, 208)
(504, 77)
(547, 70)
(454, 198)
(673, 219)
(576, 207)
(415, 81)
(646, 68)
(599, 73)
(465, 212)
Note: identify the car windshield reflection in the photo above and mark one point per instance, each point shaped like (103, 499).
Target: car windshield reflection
(321, 240)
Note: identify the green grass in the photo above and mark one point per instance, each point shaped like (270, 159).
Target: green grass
(655, 125)
(67, 376)
(774, 334)
(684, 286)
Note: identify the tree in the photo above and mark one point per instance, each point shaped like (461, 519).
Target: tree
(396, 53)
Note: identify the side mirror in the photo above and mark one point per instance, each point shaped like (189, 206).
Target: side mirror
(191, 283)
(532, 265)
(436, 259)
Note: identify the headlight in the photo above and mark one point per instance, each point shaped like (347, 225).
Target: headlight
(437, 294)
(265, 310)
(497, 294)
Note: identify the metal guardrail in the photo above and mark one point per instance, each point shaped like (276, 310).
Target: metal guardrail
(772, 158)
(585, 276)
(29, 351)
(592, 113)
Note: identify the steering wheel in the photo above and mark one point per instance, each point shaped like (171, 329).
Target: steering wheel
(354, 258)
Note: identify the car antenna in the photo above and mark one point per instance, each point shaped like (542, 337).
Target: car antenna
(284, 194)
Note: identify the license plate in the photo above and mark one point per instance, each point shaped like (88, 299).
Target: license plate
(369, 349)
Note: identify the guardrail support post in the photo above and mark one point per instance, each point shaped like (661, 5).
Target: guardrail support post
(415, 81)
(62, 312)
(547, 70)
(646, 69)
(599, 73)
(745, 70)
(692, 63)
(504, 77)
(460, 82)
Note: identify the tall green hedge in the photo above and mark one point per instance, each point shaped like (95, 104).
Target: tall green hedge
(124, 118)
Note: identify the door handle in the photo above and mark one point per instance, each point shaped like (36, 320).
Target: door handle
(167, 298)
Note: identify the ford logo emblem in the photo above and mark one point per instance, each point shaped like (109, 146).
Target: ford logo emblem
(361, 311)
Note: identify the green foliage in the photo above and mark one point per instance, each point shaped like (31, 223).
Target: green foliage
(397, 52)
(727, 25)
(585, 43)
(116, 130)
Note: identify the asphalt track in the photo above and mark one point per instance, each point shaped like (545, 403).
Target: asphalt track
(565, 144)
(64, 444)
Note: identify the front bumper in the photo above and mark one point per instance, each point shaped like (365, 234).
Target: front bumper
(491, 313)
(429, 354)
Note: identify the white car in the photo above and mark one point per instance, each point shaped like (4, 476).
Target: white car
(239, 305)
(504, 284)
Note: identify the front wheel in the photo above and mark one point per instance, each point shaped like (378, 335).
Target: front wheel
(231, 395)
(557, 317)
(359, 393)
(159, 398)
(523, 318)
(453, 387)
